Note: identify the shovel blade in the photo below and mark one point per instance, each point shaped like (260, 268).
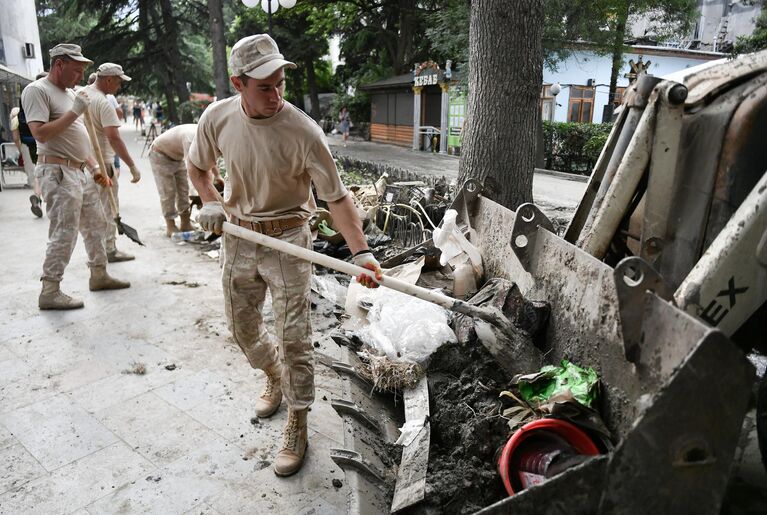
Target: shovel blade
(128, 231)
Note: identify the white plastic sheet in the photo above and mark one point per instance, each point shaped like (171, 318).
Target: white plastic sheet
(451, 241)
(403, 327)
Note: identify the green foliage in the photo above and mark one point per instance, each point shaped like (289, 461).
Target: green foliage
(574, 147)
(448, 35)
(757, 40)
(191, 110)
(358, 106)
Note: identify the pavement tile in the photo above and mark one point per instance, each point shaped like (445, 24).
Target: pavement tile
(6, 438)
(202, 509)
(120, 387)
(12, 370)
(48, 376)
(182, 485)
(310, 488)
(18, 467)
(188, 392)
(78, 484)
(230, 414)
(6, 353)
(323, 418)
(56, 431)
(155, 429)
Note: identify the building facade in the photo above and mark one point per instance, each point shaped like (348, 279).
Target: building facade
(20, 53)
(584, 79)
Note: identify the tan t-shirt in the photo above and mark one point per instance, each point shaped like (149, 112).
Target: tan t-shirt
(174, 143)
(103, 115)
(43, 101)
(270, 163)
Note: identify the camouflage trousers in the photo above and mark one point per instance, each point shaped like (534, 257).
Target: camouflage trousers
(172, 184)
(72, 203)
(110, 235)
(249, 270)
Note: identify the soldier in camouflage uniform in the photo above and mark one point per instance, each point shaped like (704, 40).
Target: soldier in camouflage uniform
(168, 160)
(274, 153)
(68, 173)
(106, 123)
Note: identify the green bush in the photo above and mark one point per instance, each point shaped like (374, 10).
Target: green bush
(358, 106)
(573, 147)
(191, 110)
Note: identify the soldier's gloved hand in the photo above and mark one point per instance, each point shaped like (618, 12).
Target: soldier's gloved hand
(101, 178)
(366, 259)
(134, 171)
(212, 217)
(81, 102)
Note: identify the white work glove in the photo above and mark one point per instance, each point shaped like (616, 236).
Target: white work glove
(135, 173)
(81, 102)
(212, 217)
(366, 259)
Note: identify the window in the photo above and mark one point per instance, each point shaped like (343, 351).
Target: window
(29, 50)
(581, 106)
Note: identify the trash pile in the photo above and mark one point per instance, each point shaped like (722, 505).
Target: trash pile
(497, 424)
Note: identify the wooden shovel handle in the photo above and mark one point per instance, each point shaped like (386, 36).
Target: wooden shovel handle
(100, 158)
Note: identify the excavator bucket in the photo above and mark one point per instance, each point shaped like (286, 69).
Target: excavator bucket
(664, 196)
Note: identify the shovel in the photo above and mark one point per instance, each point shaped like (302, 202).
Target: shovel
(122, 228)
(509, 344)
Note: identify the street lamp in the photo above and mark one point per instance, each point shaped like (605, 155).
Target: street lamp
(270, 6)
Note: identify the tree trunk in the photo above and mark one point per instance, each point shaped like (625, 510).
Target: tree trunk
(406, 23)
(311, 82)
(505, 77)
(297, 87)
(617, 53)
(170, 43)
(217, 37)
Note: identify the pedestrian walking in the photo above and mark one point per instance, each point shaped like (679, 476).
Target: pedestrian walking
(274, 153)
(138, 121)
(106, 124)
(344, 123)
(64, 154)
(27, 149)
(168, 160)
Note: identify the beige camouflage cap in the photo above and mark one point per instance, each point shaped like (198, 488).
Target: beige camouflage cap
(257, 56)
(112, 70)
(72, 51)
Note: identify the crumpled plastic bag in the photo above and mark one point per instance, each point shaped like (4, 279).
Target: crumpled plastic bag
(451, 241)
(403, 327)
(538, 388)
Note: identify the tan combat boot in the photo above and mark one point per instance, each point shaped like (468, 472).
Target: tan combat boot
(294, 443)
(170, 227)
(186, 223)
(101, 280)
(53, 298)
(116, 256)
(271, 397)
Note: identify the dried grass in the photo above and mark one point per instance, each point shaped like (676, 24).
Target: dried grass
(136, 368)
(387, 375)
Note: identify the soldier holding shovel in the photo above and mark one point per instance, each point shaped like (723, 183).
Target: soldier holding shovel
(273, 154)
(68, 173)
(109, 77)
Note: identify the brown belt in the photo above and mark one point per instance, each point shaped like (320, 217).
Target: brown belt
(53, 160)
(270, 227)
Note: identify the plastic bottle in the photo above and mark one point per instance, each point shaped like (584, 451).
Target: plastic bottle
(188, 236)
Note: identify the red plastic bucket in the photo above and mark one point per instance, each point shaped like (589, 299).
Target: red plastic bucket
(533, 446)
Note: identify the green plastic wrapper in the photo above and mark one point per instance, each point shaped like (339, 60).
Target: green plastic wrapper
(551, 380)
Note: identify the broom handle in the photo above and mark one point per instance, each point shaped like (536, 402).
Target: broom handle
(100, 158)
